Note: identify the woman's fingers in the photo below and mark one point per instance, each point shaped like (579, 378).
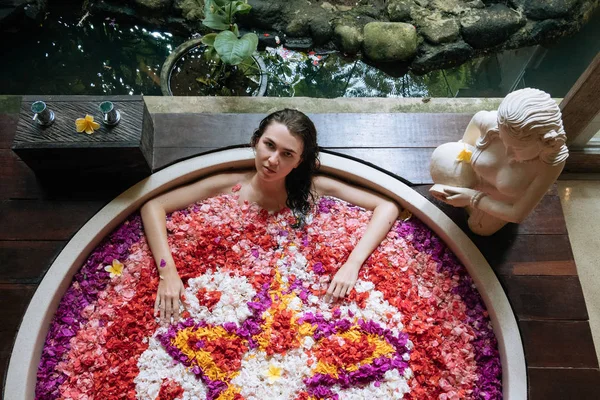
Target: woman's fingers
(176, 309)
(338, 290)
(162, 308)
(156, 305)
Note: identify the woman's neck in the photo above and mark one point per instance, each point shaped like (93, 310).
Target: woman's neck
(273, 192)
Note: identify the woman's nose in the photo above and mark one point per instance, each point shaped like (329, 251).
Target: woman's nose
(274, 159)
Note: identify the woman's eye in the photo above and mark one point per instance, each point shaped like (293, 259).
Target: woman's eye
(269, 145)
(288, 154)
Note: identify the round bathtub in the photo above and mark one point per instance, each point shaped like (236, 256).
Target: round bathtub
(21, 376)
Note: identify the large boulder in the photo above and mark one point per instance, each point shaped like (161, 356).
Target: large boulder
(491, 26)
(440, 30)
(547, 9)
(349, 38)
(455, 7)
(191, 10)
(399, 10)
(320, 28)
(390, 41)
(443, 56)
(154, 5)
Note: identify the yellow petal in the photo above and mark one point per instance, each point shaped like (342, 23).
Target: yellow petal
(80, 124)
(88, 129)
(117, 267)
(89, 118)
(95, 125)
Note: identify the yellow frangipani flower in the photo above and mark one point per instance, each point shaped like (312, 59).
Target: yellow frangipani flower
(405, 215)
(86, 124)
(116, 269)
(465, 155)
(273, 373)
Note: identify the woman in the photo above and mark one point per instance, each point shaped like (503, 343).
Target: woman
(518, 152)
(286, 160)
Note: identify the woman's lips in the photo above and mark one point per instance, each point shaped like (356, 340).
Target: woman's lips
(268, 170)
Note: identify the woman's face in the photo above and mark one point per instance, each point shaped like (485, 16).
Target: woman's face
(278, 152)
(520, 150)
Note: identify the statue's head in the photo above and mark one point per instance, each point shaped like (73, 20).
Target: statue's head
(530, 126)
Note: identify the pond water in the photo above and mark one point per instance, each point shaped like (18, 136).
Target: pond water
(102, 56)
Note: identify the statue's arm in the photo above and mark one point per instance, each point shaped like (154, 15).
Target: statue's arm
(479, 125)
(519, 210)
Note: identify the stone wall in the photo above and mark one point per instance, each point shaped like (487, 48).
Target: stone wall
(422, 35)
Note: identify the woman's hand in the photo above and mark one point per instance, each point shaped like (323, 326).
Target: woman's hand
(170, 290)
(343, 281)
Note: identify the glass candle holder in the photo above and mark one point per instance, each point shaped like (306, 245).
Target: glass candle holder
(42, 114)
(111, 115)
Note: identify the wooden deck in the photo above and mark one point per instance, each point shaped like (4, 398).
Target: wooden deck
(533, 261)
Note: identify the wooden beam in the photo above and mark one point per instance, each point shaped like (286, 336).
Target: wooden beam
(582, 104)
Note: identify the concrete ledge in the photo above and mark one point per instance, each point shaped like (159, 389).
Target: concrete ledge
(178, 104)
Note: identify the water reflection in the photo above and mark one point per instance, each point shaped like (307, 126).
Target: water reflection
(86, 55)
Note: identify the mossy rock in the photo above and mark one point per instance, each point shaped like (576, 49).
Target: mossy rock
(390, 41)
(348, 38)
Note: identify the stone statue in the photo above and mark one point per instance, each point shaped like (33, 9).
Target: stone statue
(505, 163)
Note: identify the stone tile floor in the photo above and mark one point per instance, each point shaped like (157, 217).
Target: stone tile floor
(581, 205)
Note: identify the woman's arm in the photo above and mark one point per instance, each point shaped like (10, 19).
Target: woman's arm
(154, 214)
(385, 213)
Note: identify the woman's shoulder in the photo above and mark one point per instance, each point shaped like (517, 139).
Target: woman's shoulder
(228, 182)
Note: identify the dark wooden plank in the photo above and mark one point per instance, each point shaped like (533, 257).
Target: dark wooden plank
(335, 130)
(566, 344)
(17, 180)
(8, 127)
(13, 303)
(563, 383)
(44, 220)
(27, 261)
(545, 268)
(164, 156)
(7, 339)
(527, 254)
(584, 160)
(411, 164)
(581, 104)
(546, 297)
(14, 300)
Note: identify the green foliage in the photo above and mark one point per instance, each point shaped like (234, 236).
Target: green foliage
(226, 49)
(233, 50)
(227, 46)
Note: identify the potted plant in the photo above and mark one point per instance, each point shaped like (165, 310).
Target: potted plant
(219, 63)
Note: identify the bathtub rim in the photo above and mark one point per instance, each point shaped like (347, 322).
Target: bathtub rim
(25, 356)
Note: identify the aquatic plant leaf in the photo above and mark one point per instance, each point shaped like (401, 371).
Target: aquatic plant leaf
(241, 7)
(233, 50)
(209, 39)
(215, 16)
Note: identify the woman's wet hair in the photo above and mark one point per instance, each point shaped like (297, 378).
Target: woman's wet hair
(298, 183)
